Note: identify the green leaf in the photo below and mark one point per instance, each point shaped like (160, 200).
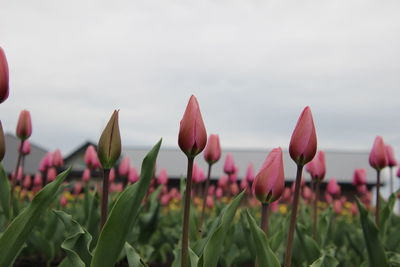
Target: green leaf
(20, 228)
(133, 256)
(120, 221)
(4, 193)
(325, 261)
(376, 253)
(193, 258)
(77, 243)
(213, 246)
(308, 245)
(265, 256)
(386, 214)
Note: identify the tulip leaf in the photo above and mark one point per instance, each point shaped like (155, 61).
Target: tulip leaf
(325, 261)
(386, 214)
(77, 243)
(193, 258)
(376, 252)
(214, 245)
(21, 227)
(265, 255)
(133, 256)
(121, 218)
(4, 193)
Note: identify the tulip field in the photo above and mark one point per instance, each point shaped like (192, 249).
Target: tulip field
(140, 219)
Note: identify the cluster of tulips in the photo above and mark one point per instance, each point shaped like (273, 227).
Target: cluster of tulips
(134, 218)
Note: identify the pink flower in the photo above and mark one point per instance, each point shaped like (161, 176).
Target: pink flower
(27, 181)
(37, 181)
(362, 189)
(46, 162)
(303, 144)
(212, 152)
(211, 190)
(77, 188)
(111, 177)
(390, 156)
(91, 159)
(316, 167)
(328, 198)
(377, 157)
(307, 193)
(354, 209)
(287, 194)
(24, 126)
(63, 201)
(4, 82)
(26, 148)
(219, 193)
(58, 160)
(244, 184)
(210, 202)
(359, 177)
(270, 181)
(250, 173)
(133, 176)
(86, 175)
(192, 132)
(275, 206)
(337, 206)
(165, 200)
(333, 188)
(234, 189)
(229, 166)
(163, 177)
(20, 173)
(124, 166)
(223, 181)
(51, 174)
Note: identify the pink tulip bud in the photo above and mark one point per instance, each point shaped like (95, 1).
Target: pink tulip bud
(20, 174)
(229, 166)
(275, 206)
(354, 209)
(124, 166)
(210, 202)
(111, 176)
(316, 167)
(91, 159)
(27, 181)
(37, 181)
(2, 142)
(77, 188)
(26, 148)
(377, 157)
(46, 162)
(192, 132)
(133, 176)
(51, 174)
(366, 198)
(86, 175)
(328, 198)
(173, 193)
(390, 156)
(4, 83)
(116, 187)
(219, 193)
(337, 206)
(359, 177)
(211, 190)
(63, 201)
(307, 193)
(212, 153)
(303, 144)
(333, 188)
(244, 184)
(234, 176)
(24, 126)
(287, 194)
(234, 189)
(362, 189)
(165, 200)
(223, 181)
(270, 181)
(58, 160)
(162, 177)
(109, 147)
(250, 173)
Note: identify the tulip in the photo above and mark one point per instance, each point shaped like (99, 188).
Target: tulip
(37, 180)
(244, 184)
(58, 160)
(123, 169)
(333, 188)
(337, 206)
(359, 177)
(86, 175)
(212, 152)
(211, 190)
(391, 163)
(24, 126)
(165, 200)
(378, 160)
(192, 132)
(303, 144)
(210, 202)
(250, 173)
(77, 188)
(2, 142)
(354, 209)
(229, 165)
(307, 193)
(234, 188)
(269, 183)
(91, 159)
(234, 176)
(111, 175)
(287, 194)
(63, 201)
(219, 193)
(4, 83)
(223, 181)
(362, 189)
(27, 182)
(133, 176)
(302, 149)
(162, 177)
(192, 140)
(108, 152)
(51, 174)
(20, 173)
(26, 148)
(328, 198)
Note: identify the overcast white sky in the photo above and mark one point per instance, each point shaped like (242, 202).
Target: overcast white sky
(253, 65)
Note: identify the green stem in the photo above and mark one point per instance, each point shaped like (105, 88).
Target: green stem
(205, 193)
(378, 200)
(264, 217)
(391, 179)
(315, 214)
(289, 247)
(186, 215)
(104, 198)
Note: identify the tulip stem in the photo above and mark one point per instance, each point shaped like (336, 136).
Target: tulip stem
(104, 198)
(391, 179)
(315, 214)
(378, 200)
(264, 218)
(205, 193)
(289, 247)
(186, 215)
